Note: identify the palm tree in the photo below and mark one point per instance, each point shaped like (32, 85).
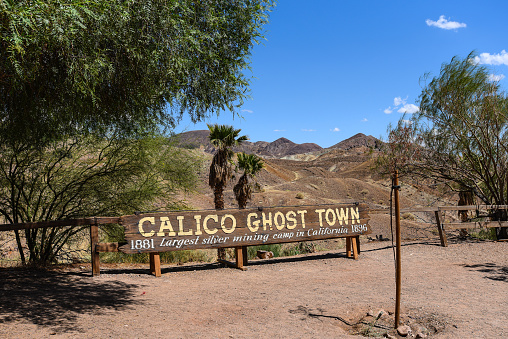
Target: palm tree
(251, 164)
(223, 138)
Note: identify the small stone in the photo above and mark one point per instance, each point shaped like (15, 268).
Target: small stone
(370, 313)
(380, 313)
(389, 336)
(403, 330)
(264, 254)
(420, 335)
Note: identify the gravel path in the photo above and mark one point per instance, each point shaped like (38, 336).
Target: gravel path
(454, 292)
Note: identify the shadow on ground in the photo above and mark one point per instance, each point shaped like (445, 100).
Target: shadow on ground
(494, 272)
(144, 269)
(56, 299)
(209, 266)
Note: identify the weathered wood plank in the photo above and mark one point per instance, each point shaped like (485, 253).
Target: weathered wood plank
(94, 240)
(477, 224)
(472, 207)
(440, 228)
(171, 231)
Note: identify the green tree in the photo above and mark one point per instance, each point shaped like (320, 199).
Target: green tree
(223, 138)
(85, 176)
(251, 165)
(459, 137)
(72, 66)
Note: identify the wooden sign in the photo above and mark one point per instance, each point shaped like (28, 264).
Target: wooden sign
(184, 230)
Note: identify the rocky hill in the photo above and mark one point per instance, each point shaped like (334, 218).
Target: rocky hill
(277, 149)
(358, 140)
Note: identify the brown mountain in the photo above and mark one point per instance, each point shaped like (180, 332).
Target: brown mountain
(358, 140)
(277, 149)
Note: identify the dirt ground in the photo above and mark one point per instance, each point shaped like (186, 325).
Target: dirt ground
(454, 292)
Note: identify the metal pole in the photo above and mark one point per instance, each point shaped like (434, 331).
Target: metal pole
(398, 273)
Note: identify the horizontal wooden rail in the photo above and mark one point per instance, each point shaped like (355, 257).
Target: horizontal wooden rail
(472, 207)
(60, 223)
(442, 208)
(404, 210)
(477, 224)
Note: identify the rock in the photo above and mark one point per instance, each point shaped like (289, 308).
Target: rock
(380, 313)
(370, 313)
(389, 336)
(264, 254)
(403, 330)
(421, 335)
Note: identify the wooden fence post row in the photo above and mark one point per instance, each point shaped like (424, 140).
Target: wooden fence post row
(442, 225)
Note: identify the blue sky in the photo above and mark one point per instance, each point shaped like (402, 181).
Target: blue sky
(330, 69)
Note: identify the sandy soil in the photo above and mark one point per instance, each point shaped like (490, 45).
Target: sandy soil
(454, 292)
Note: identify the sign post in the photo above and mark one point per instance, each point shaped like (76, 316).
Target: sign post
(398, 271)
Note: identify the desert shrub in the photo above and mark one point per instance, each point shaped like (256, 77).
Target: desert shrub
(299, 248)
(171, 257)
(300, 195)
(483, 234)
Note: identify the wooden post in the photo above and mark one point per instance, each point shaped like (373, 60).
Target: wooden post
(94, 240)
(440, 228)
(348, 247)
(354, 245)
(155, 264)
(398, 270)
(239, 257)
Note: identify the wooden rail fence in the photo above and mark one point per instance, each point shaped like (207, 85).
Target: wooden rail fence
(439, 215)
(170, 231)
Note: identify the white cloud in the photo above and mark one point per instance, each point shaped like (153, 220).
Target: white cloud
(409, 108)
(496, 78)
(388, 110)
(492, 59)
(279, 130)
(365, 119)
(443, 23)
(336, 129)
(308, 130)
(247, 110)
(399, 101)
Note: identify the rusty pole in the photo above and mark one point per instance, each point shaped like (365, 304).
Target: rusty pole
(398, 271)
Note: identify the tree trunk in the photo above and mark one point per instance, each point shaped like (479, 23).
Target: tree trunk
(218, 193)
(20, 248)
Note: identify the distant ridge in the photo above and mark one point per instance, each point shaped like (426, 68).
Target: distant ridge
(279, 148)
(358, 140)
